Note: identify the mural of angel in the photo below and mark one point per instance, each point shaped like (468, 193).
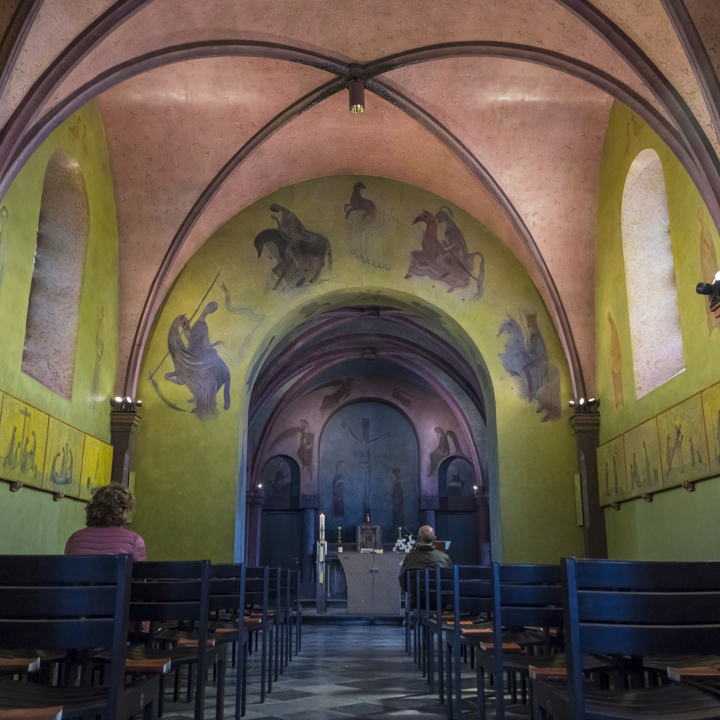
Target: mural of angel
(300, 253)
(444, 438)
(305, 448)
(448, 262)
(403, 397)
(343, 388)
(526, 361)
(197, 364)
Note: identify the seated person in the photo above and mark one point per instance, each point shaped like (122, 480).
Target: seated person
(106, 533)
(424, 555)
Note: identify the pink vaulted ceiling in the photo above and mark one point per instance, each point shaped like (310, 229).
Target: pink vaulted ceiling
(57, 23)
(540, 134)
(646, 22)
(706, 16)
(169, 132)
(357, 32)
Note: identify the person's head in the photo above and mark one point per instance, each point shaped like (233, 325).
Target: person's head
(109, 506)
(426, 535)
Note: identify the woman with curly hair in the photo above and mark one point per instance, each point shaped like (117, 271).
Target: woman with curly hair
(106, 533)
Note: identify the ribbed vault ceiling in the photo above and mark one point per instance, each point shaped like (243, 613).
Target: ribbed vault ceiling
(517, 144)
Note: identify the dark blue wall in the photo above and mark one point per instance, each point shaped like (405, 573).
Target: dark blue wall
(399, 450)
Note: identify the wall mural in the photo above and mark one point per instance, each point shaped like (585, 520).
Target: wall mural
(683, 443)
(708, 264)
(403, 397)
(456, 478)
(342, 389)
(96, 466)
(23, 436)
(711, 409)
(63, 459)
(611, 471)
(443, 449)
(449, 261)
(305, 447)
(369, 464)
(526, 361)
(364, 443)
(281, 476)
(99, 350)
(616, 363)
(300, 253)
(642, 459)
(197, 365)
(368, 229)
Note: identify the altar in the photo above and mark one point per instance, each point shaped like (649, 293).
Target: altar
(372, 582)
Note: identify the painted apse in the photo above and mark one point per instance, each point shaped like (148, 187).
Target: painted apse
(329, 243)
(669, 436)
(56, 437)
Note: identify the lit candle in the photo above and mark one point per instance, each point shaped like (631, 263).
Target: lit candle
(322, 522)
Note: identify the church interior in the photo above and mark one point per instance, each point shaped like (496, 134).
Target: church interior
(304, 278)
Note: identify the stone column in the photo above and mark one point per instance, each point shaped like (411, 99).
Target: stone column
(587, 439)
(123, 426)
(428, 505)
(482, 526)
(254, 503)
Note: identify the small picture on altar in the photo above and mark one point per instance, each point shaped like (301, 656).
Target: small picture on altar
(369, 537)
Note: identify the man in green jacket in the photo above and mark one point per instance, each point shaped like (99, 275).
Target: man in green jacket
(423, 556)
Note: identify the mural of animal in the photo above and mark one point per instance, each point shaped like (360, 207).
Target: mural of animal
(197, 364)
(358, 203)
(300, 253)
(448, 264)
(525, 360)
(457, 245)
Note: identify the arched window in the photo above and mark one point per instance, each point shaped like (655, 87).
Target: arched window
(63, 227)
(650, 275)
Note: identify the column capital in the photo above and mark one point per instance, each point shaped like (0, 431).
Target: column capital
(256, 497)
(124, 421)
(585, 422)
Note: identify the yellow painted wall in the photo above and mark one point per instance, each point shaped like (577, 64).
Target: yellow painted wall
(187, 470)
(30, 522)
(677, 525)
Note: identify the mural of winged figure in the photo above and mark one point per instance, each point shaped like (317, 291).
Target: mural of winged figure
(526, 361)
(300, 253)
(305, 448)
(444, 438)
(343, 388)
(197, 364)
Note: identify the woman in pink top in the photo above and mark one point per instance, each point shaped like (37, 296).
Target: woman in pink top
(106, 533)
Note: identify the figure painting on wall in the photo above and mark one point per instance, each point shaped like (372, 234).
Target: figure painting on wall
(443, 448)
(99, 350)
(642, 454)
(197, 364)
(403, 397)
(305, 448)
(448, 262)
(708, 264)
(23, 438)
(526, 361)
(368, 229)
(611, 472)
(398, 500)
(65, 447)
(682, 434)
(364, 442)
(256, 318)
(342, 389)
(300, 254)
(337, 491)
(616, 363)
(711, 410)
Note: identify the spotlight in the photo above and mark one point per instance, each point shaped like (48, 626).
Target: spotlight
(259, 486)
(118, 400)
(571, 403)
(125, 405)
(138, 403)
(128, 399)
(356, 91)
(582, 401)
(475, 488)
(712, 290)
(585, 406)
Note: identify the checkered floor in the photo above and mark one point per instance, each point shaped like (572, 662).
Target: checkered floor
(344, 671)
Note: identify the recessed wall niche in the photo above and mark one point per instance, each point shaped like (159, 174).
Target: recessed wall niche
(63, 228)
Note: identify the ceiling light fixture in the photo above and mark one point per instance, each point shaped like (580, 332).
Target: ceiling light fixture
(356, 92)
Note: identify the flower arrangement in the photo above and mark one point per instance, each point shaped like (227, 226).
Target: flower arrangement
(404, 544)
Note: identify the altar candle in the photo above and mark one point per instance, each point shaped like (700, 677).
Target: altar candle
(322, 522)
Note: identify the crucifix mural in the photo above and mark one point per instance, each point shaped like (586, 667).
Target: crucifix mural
(365, 443)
